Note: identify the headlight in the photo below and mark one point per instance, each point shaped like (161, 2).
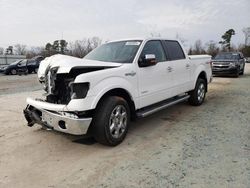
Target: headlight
(232, 64)
(79, 90)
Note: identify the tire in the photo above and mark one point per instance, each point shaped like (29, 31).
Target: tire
(13, 72)
(236, 75)
(111, 120)
(242, 72)
(36, 70)
(197, 96)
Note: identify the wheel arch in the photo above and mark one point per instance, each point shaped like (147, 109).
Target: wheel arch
(203, 76)
(120, 92)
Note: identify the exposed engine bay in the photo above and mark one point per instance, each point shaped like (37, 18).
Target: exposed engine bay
(60, 88)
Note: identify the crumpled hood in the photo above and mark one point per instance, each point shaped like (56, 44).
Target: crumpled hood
(66, 63)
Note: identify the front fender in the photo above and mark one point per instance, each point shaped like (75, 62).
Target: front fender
(113, 83)
(99, 90)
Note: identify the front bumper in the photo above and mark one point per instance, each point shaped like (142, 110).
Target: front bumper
(231, 70)
(62, 121)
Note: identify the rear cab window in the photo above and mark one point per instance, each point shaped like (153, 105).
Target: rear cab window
(174, 50)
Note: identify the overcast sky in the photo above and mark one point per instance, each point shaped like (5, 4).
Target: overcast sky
(36, 22)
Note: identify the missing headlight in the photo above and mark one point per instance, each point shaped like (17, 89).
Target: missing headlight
(79, 90)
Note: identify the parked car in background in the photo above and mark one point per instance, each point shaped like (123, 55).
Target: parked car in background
(2, 69)
(13, 68)
(33, 64)
(24, 66)
(226, 63)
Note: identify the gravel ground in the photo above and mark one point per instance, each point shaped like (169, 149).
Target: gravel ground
(182, 146)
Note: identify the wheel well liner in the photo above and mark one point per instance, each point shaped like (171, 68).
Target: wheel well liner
(124, 94)
(203, 76)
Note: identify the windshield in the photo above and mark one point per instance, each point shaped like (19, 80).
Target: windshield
(120, 52)
(227, 56)
(15, 62)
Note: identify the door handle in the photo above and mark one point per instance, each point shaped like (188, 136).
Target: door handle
(132, 73)
(169, 69)
(187, 66)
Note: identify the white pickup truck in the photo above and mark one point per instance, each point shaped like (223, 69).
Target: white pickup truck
(115, 83)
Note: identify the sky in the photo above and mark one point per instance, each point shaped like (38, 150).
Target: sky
(36, 22)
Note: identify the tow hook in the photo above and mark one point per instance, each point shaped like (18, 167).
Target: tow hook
(33, 117)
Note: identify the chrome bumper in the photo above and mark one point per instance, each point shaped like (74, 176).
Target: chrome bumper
(64, 121)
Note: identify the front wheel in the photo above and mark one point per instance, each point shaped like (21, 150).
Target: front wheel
(111, 120)
(243, 69)
(236, 75)
(197, 96)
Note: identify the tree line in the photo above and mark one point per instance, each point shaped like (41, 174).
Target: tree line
(212, 48)
(80, 48)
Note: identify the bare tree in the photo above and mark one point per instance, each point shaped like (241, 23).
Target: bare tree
(190, 51)
(212, 48)
(80, 48)
(198, 48)
(181, 39)
(35, 51)
(246, 32)
(20, 49)
(95, 42)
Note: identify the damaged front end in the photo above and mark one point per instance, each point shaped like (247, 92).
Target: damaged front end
(65, 107)
(66, 122)
(52, 113)
(60, 88)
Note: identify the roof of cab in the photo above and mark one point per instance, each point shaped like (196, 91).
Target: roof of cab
(142, 39)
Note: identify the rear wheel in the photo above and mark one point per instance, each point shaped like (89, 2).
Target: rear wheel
(13, 71)
(111, 120)
(197, 96)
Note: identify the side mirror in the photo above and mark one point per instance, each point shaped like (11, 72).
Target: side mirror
(147, 60)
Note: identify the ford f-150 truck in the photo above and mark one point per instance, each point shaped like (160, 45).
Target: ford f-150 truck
(114, 84)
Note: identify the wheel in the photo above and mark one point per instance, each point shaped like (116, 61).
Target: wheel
(13, 71)
(236, 75)
(197, 96)
(110, 121)
(242, 72)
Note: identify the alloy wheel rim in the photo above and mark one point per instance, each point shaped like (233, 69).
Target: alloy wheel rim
(201, 92)
(13, 71)
(118, 121)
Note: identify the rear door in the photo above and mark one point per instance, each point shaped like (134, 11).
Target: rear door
(154, 81)
(181, 66)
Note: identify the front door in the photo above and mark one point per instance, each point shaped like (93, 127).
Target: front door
(154, 81)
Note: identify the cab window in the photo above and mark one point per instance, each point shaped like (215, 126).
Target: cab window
(174, 50)
(154, 47)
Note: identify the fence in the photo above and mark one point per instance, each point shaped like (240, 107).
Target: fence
(8, 59)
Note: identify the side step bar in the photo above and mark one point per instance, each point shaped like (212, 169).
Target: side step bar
(162, 105)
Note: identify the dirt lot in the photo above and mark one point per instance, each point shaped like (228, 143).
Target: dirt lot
(182, 146)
